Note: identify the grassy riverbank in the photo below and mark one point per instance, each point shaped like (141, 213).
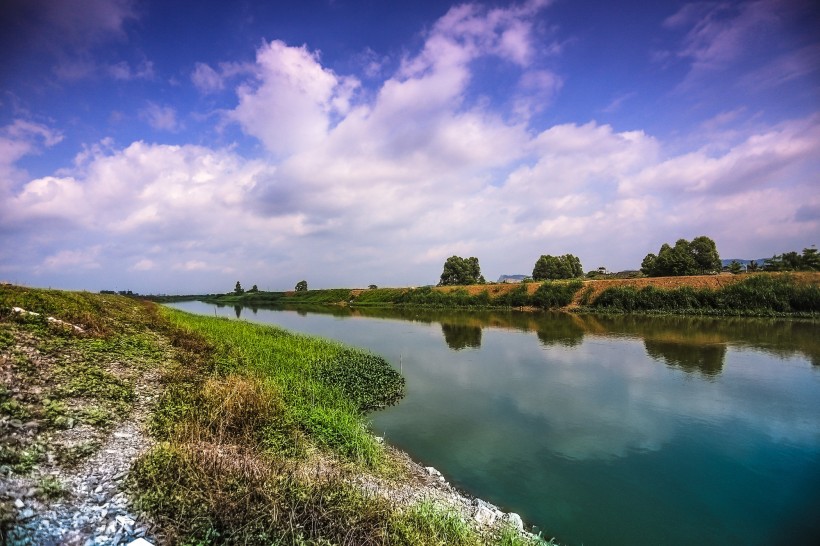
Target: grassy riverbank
(259, 435)
(764, 294)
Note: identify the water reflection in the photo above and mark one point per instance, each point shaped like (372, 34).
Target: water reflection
(566, 333)
(461, 336)
(692, 344)
(689, 357)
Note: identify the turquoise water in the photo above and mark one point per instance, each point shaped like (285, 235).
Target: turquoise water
(604, 430)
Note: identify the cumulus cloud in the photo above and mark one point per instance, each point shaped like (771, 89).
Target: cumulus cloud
(380, 185)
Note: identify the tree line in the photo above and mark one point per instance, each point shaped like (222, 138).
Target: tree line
(696, 257)
(460, 271)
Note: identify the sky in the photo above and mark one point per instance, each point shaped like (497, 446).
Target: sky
(177, 147)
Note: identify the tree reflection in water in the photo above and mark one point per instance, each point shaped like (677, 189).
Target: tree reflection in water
(706, 359)
(461, 336)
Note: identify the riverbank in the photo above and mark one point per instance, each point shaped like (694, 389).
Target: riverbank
(122, 419)
(762, 294)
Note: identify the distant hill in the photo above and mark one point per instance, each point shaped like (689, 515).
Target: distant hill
(505, 278)
(725, 263)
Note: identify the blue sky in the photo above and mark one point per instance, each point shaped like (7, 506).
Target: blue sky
(181, 146)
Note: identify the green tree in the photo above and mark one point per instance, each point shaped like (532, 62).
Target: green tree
(549, 267)
(238, 289)
(735, 267)
(372, 287)
(704, 250)
(752, 266)
(773, 264)
(791, 261)
(685, 258)
(648, 264)
(461, 271)
(253, 289)
(301, 286)
(810, 259)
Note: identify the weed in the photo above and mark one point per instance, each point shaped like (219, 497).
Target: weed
(428, 523)
(72, 455)
(51, 487)
(14, 409)
(21, 459)
(97, 417)
(55, 413)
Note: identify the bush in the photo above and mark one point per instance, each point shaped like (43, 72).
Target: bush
(555, 294)
(756, 294)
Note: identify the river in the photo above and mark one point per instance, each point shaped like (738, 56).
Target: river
(603, 430)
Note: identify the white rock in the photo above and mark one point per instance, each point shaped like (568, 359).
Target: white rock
(515, 520)
(125, 521)
(18, 503)
(484, 516)
(432, 471)
(140, 542)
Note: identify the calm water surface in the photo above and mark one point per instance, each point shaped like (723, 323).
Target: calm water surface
(604, 430)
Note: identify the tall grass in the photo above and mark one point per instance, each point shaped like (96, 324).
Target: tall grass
(262, 439)
(325, 387)
(758, 294)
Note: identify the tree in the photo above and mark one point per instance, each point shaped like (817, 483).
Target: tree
(301, 286)
(706, 256)
(752, 266)
(557, 267)
(253, 289)
(648, 264)
(810, 259)
(735, 267)
(461, 271)
(238, 289)
(773, 264)
(372, 287)
(685, 258)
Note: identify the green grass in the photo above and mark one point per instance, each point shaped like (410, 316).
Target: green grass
(57, 376)
(324, 387)
(262, 434)
(549, 295)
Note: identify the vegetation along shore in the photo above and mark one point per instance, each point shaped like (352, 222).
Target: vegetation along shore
(758, 294)
(121, 419)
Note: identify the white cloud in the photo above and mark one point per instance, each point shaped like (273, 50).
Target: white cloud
(144, 265)
(124, 71)
(288, 107)
(161, 118)
(380, 185)
(86, 258)
(206, 79)
(17, 140)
